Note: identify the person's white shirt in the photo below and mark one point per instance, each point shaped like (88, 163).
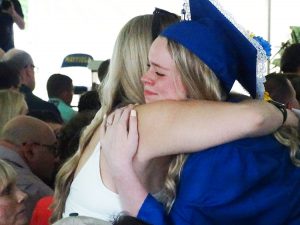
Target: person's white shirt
(88, 195)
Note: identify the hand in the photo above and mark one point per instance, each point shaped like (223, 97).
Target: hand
(119, 139)
(11, 10)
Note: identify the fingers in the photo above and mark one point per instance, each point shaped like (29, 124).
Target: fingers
(102, 127)
(114, 117)
(133, 128)
(125, 114)
(110, 119)
(119, 115)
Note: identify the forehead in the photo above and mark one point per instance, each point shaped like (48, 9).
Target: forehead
(159, 52)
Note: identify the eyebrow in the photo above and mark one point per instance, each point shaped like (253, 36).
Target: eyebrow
(158, 65)
(6, 188)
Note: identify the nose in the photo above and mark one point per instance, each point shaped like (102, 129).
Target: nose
(147, 79)
(21, 196)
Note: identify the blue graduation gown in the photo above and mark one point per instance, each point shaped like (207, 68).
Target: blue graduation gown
(249, 181)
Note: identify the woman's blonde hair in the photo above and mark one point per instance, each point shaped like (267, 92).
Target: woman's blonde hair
(12, 104)
(122, 85)
(7, 174)
(201, 83)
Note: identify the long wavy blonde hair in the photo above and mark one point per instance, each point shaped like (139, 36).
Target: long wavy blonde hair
(121, 86)
(201, 83)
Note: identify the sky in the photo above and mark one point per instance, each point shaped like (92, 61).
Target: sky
(56, 28)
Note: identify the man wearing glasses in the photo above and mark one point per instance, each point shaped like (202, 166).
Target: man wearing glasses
(29, 145)
(22, 62)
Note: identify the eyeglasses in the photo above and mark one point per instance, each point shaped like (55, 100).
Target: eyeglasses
(52, 148)
(33, 67)
(161, 19)
(30, 65)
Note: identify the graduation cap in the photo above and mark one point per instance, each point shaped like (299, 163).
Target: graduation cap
(222, 46)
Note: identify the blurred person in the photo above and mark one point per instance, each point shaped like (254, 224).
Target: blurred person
(12, 104)
(60, 93)
(124, 219)
(29, 146)
(81, 220)
(78, 183)
(281, 90)
(103, 69)
(89, 101)
(9, 78)
(1, 53)
(42, 211)
(290, 59)
(12, 199)
(54, 121)
(22, 62)
(69, 135)
(10, 13)
(295, 80)
(225, 184)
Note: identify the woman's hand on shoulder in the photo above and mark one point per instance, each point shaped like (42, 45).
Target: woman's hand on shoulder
(119, 139)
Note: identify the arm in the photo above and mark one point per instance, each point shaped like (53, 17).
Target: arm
(18, 19)
(171, 127)
(119, 153)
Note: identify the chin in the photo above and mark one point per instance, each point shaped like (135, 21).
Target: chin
(22, 219)
(150, 100)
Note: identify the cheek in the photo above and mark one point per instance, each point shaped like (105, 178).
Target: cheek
(49, 165)
(176, 89)
(181, 88)
(166, 88)
(7, 213)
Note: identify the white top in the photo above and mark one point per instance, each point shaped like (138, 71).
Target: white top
(88, 195)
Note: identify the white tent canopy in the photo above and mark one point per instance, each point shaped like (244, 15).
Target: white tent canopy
(55, 29)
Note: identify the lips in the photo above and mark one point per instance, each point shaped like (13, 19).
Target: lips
(21, 211)
(147, 92)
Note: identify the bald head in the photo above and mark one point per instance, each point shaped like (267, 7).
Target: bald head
(26, 129)
(17, 59)
(22, 63)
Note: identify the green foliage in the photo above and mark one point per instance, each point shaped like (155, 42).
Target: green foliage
(295, 34)
(295, 38)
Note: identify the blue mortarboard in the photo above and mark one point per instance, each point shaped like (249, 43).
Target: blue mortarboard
(219, 44)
